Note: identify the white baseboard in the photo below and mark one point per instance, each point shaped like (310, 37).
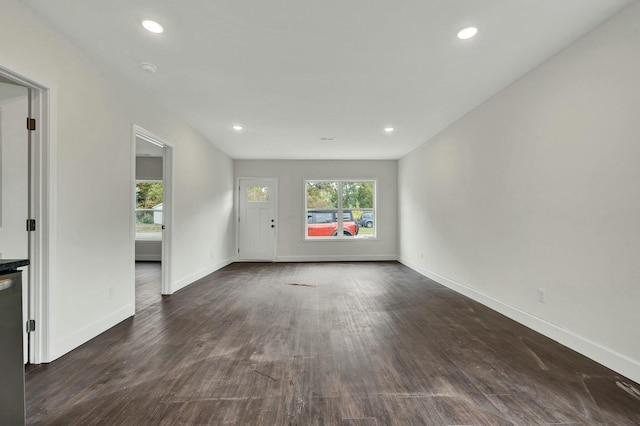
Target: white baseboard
(92, 330)
(605, 356)
(339, 258)
(182, 283)
(148, 258)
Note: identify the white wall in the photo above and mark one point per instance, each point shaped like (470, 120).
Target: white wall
(148, 251)
(94, 113)
(540, 188)
(149, 168)
(291, 216)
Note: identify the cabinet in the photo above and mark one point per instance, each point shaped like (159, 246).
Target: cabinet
(12, 406)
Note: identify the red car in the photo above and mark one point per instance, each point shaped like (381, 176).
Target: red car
(324, 223)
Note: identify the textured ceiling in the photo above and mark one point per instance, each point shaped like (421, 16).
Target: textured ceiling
(293, 72)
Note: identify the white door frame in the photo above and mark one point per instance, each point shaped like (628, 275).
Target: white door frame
(167, 209)
(275, 242)
(43, 98)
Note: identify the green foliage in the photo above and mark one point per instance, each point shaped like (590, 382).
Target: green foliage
(148, 195)
(146, 217)
(357, 195)
(324, 195)
(257, 194)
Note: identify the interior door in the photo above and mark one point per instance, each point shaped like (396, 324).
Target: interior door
(257, 226)
(14, 183)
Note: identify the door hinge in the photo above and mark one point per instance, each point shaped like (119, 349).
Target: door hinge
(31, 123)
(31, 326)
(31, 225)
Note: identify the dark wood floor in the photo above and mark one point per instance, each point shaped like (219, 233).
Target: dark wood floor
(338, 343)
(148, 285)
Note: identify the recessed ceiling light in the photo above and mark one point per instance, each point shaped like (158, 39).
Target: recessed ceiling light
(389, 129)
(467, 33)
(237, 127)
(152, 26)
(150, 68)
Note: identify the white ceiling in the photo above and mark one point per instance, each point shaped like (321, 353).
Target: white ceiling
(295, 71)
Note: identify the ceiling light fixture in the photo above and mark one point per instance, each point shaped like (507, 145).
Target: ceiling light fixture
(389, 129)
(150, 68)
(237, 127)
(152, 26)
(467, 33)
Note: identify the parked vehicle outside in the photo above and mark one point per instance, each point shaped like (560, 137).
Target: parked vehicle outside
(366, 220)
(324, 223)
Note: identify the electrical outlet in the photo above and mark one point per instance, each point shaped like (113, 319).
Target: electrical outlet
(421, 255)
(110, 292)
(542, 295)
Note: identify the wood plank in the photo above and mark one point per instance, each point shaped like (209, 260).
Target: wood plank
(368, 343)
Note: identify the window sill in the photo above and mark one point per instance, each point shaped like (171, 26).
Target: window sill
(341, 239)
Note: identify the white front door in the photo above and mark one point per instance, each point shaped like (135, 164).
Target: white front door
(257, 226)
(14, 183)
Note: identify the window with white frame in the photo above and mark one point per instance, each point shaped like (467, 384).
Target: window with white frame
(149, 199)
(342, 209)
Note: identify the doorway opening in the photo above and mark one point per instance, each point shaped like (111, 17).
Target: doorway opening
(152, 185)
(26, 183)
(15, 187)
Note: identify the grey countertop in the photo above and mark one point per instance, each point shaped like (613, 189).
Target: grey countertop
(12, 264)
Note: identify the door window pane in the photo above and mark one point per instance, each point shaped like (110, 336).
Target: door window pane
(257, 194)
